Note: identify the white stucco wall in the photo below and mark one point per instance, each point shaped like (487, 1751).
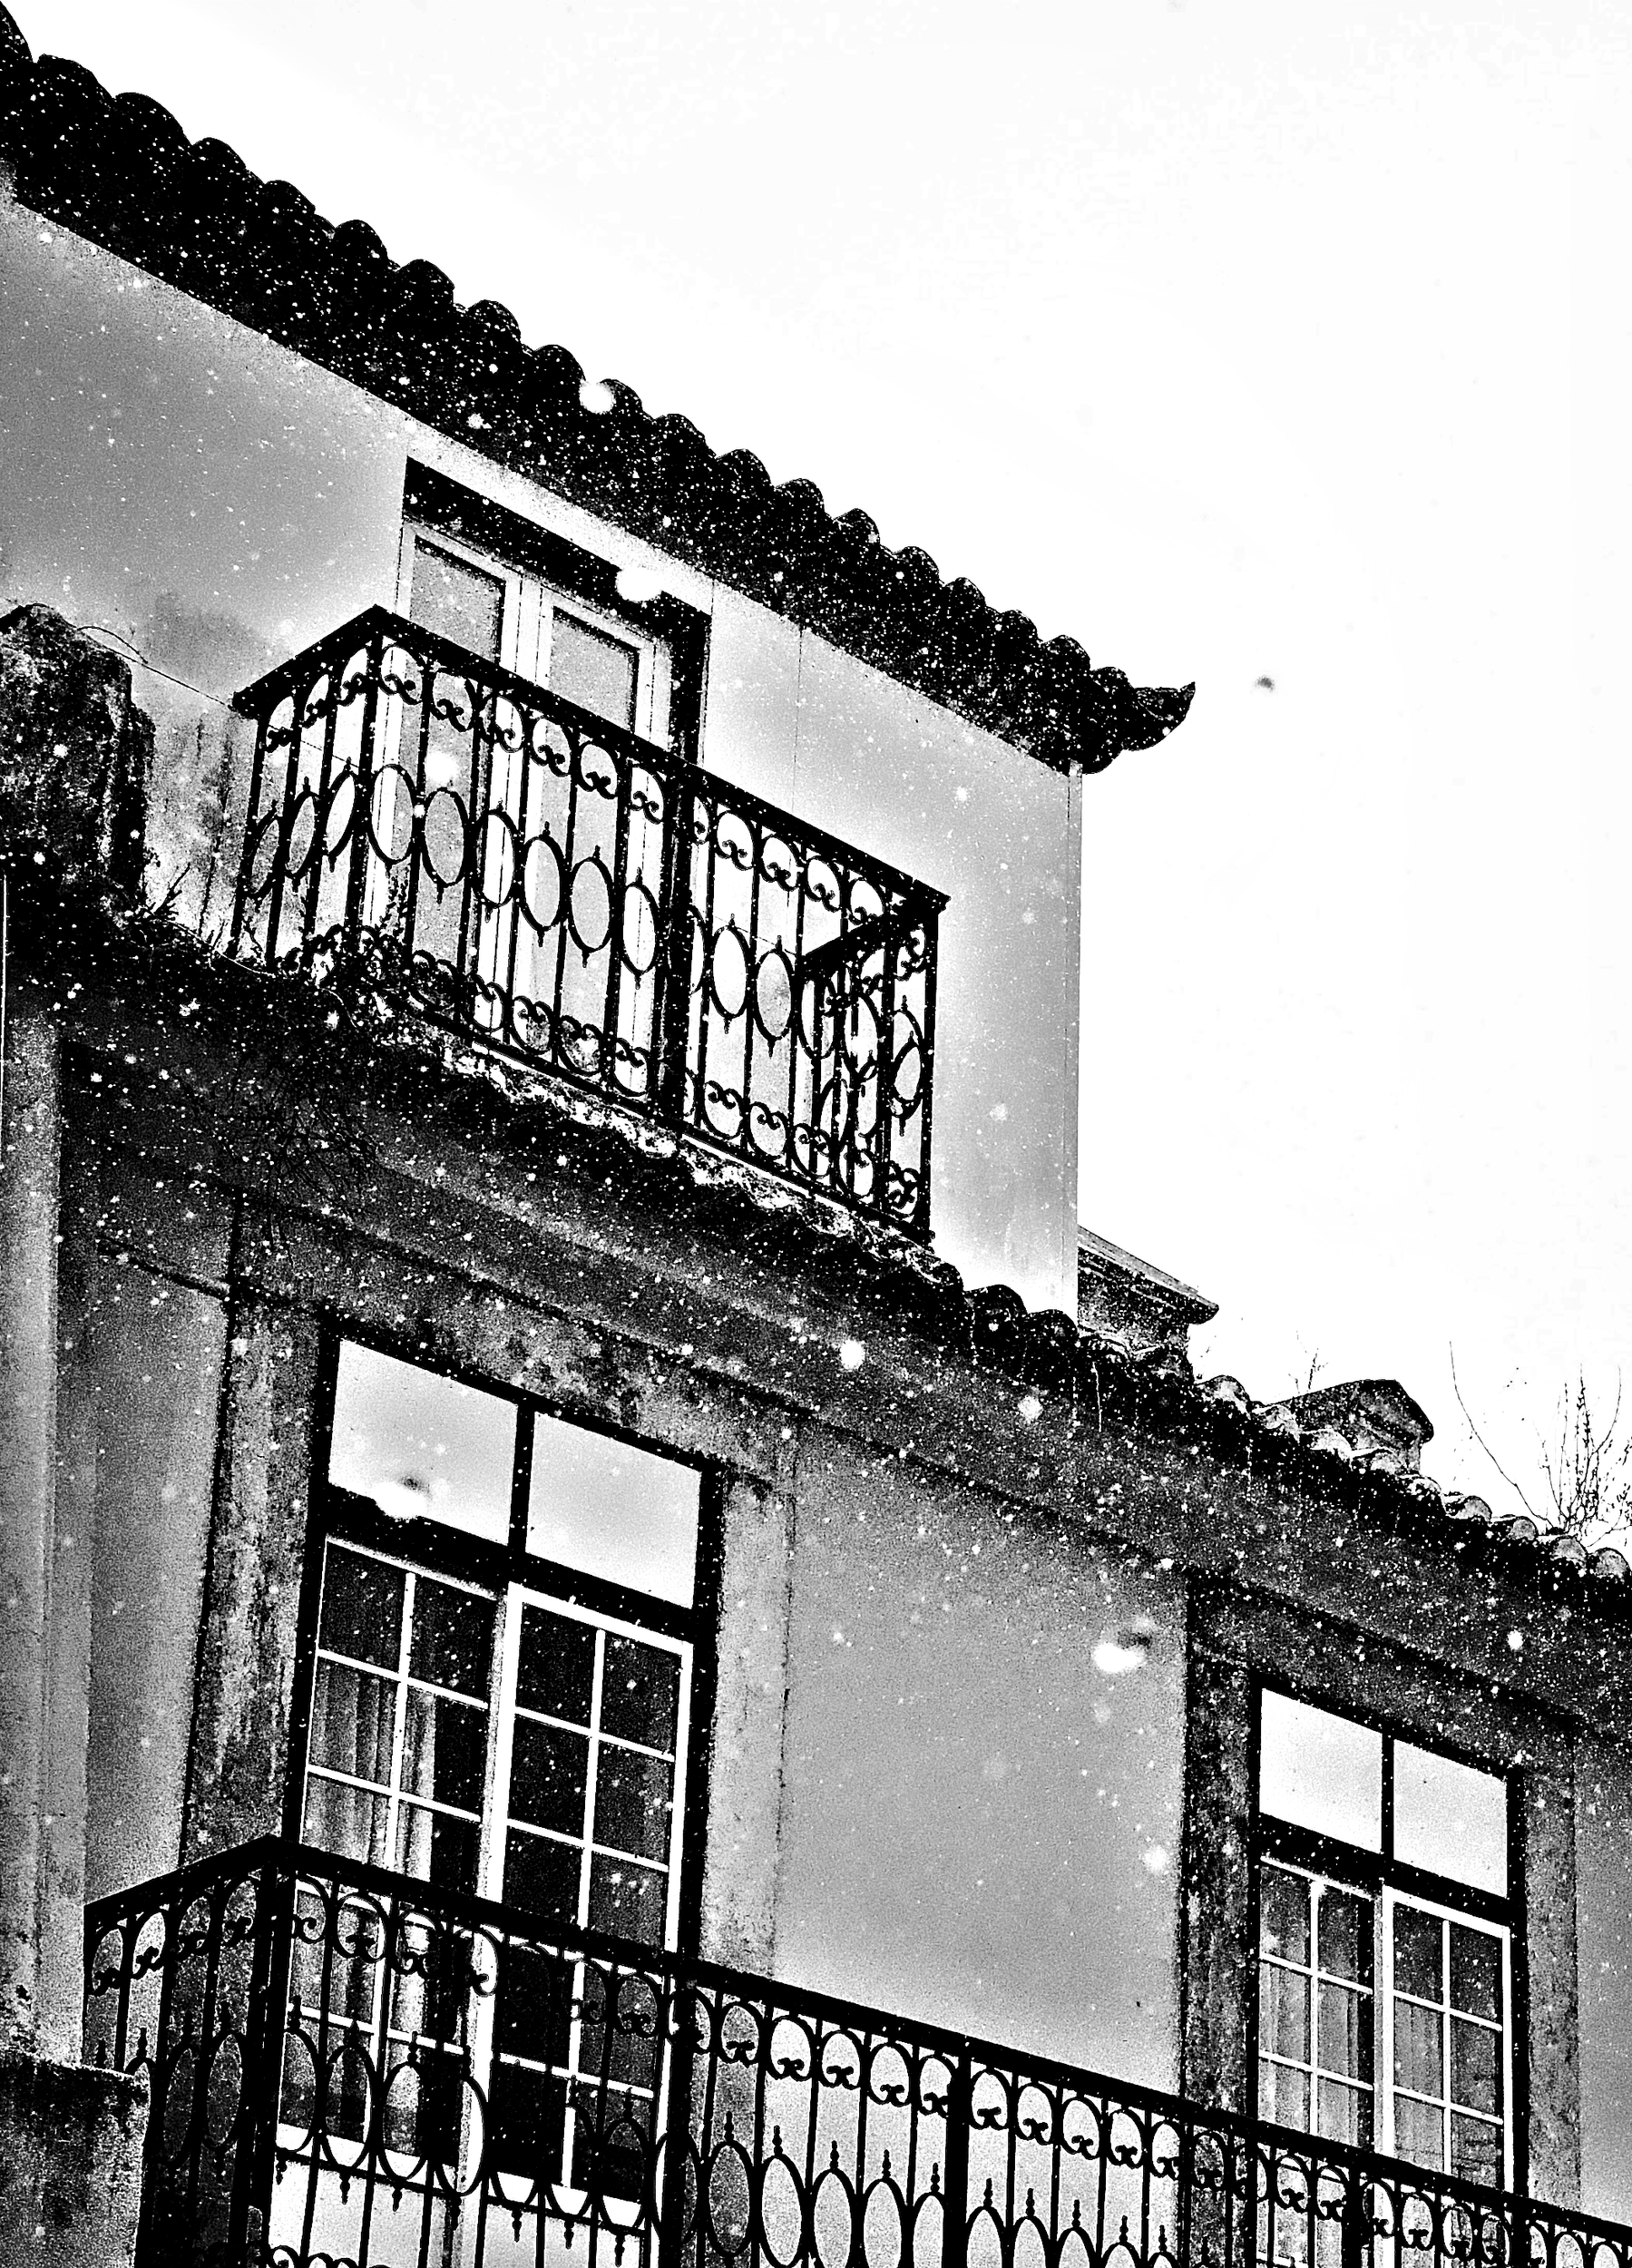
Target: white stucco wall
(981, 1823)
(218, 502)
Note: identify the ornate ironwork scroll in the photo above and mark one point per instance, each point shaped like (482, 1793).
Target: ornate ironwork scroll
(345, 2067)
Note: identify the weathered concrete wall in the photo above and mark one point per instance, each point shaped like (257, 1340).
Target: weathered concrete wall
(217, 503)
(37, 1889)
(1603, 1788)
(981, 1817)
(158, 1350)
(241, 1763)
(70, 2165)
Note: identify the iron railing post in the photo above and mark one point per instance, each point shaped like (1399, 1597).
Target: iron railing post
(356, 872)
(955, 2187)
(673, 1018)
(263, 2059)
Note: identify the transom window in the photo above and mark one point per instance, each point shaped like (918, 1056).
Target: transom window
(1385, 1941)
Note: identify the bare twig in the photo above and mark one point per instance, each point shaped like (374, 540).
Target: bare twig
(1485, 1446)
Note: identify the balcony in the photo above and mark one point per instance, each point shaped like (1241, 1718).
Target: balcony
(584, 903)
(343, 2067)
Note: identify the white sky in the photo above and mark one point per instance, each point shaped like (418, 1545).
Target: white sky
(1238, 343)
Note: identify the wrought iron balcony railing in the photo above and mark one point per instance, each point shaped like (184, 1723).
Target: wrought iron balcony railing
(347, 2068)
(591, 905)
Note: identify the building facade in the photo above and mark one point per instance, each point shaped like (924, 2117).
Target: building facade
(618, 1634)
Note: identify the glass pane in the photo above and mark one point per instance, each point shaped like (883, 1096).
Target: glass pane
(1346, 2114)
(1450, 1819)
(1476, 2151)
(529, 2122)
(1419, 2055)
(1419, 1953)
(532, 2009)
(548, 1771)
(556, 1671)
(354, 1721)
(604, 1508)
(592, 668)
(1284, 2095)
(1321, 1772)
(457, 600)
(628, 1899)
(1345, 1935)
(445, 1750)
(1345, 2031)
(362, 1607)
(1475, 2066)
(1419, 2132)
(1475, 1971)
(433, 1848)
(344, 1819)
(634, 1808)
(1283, 1913)
(421, 1446)
(543, 1876)
(1284, 2012)
(640, 1693)
(452, 1641)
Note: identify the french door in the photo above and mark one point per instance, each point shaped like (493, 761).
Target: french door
(518, 1745)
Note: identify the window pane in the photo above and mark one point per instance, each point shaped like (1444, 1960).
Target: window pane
(628, 1899)
(1345, 1936)
(640, 1693)
(1284, 2013)
(1450, 1819)
(1321, 1772)
(1475, 1972)
(634, 1809)
(532, 2008)
(1419, 2132)
(1345, 2113)
(433, 1848)
(592, 668)
(457, 600)
(1475, 2066)
(1283, 1914)
(445, 1750)
(543, 1876)
(556, 1672)
(421, 1446)
(1419, 1953)
(354, 1721)
(548, 1773)
(529, 2122)
(1345, 2031)
(1476, 2152)
(362, 1607)
(605, 1508)
(1284, 2095)
(344, 1819)
(451, 1642)
(1419, 2057)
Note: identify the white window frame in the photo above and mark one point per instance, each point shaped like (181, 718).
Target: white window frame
(1388, 1905)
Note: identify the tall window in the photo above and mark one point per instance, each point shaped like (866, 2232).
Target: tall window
(1385, 1943)
(503, 1667)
